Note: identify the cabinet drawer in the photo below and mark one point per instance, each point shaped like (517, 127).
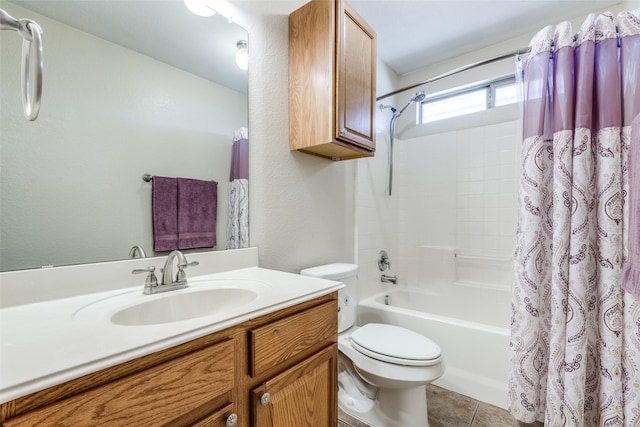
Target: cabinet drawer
(155, 396)
(300, 334)
(221, 418)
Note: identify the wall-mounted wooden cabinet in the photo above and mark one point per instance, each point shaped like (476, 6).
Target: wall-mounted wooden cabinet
(332, 81)
(279, 369)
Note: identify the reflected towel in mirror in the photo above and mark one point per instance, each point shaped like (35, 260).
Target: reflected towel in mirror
(184, 213)
(197, 212)
(164, 206)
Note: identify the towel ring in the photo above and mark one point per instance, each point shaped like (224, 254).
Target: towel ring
(32, 70)
(32, 61)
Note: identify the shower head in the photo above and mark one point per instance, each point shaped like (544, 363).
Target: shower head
(417, 97)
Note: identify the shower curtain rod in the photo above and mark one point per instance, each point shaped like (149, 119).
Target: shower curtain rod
(458, 70)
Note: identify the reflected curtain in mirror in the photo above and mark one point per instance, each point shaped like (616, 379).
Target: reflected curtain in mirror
(238, 218)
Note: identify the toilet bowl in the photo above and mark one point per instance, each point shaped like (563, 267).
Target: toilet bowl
(382, 369)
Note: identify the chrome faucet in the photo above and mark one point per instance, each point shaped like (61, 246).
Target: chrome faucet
(389, 279)
(168, 282)
(180, 280)
(137, 252)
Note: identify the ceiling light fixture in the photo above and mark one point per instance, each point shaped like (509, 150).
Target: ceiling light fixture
(200, 7)
(242, 55)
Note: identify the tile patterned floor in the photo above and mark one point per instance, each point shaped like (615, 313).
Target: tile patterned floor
(449, 409)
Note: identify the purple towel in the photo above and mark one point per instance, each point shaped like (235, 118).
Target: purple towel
(197, 211)
(165, 213)
(631, 276)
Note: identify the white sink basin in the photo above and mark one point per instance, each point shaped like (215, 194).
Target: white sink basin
(216, 299)
(183, 306)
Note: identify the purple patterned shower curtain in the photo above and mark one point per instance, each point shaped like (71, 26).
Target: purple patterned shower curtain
(575, 333)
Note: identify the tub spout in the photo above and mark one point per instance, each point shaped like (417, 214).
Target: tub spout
(388, 279)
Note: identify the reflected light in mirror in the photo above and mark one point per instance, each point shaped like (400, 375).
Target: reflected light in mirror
(242, 55)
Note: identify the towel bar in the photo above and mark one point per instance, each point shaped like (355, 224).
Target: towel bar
(148, 178)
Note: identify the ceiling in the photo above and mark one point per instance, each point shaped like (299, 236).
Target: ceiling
(411, 33)
(416, 33)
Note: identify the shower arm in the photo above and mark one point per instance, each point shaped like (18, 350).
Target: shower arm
(392, 130)
(31, 33)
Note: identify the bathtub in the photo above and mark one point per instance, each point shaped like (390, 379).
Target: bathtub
(471, 326)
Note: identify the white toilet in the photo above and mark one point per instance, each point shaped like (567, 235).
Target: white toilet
(382, 369)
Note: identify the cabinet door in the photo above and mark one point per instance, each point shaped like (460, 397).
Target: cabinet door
(304, 395)
(356, 79)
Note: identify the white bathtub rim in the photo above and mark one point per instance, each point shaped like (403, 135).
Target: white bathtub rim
(372, 302)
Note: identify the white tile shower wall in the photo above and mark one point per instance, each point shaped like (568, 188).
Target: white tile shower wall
(487, 189)
(426, 176)
(453, 189)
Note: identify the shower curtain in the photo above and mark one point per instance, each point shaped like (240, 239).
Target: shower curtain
(575, 332)
(238, 223)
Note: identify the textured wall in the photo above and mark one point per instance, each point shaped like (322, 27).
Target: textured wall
(301, 206)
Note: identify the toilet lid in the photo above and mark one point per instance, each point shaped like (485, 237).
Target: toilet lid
(394, 344)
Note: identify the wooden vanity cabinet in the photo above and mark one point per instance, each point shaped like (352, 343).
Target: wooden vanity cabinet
(332, 81)
(304, 343)
(210, 381)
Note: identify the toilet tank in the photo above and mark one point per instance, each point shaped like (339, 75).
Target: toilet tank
(347, 296)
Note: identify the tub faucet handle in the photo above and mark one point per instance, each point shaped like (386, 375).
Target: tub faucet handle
(383, 261)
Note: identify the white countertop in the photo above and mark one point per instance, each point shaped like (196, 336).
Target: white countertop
(47, 343)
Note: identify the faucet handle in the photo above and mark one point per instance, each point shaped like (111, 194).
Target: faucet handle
(383, 261)
(181, 275)
(151, 280)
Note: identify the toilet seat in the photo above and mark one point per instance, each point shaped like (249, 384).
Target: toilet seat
(395, 345)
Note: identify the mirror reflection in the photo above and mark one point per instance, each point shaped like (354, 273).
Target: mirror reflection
(129, 88)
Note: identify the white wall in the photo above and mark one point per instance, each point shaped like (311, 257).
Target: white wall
(301, 206)
(126, 112)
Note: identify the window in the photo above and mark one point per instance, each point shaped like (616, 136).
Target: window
(469, 100)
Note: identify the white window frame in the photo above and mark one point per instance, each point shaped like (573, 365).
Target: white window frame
(489, 88)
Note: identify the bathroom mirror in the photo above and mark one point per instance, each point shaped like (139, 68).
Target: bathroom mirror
(130, 87)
